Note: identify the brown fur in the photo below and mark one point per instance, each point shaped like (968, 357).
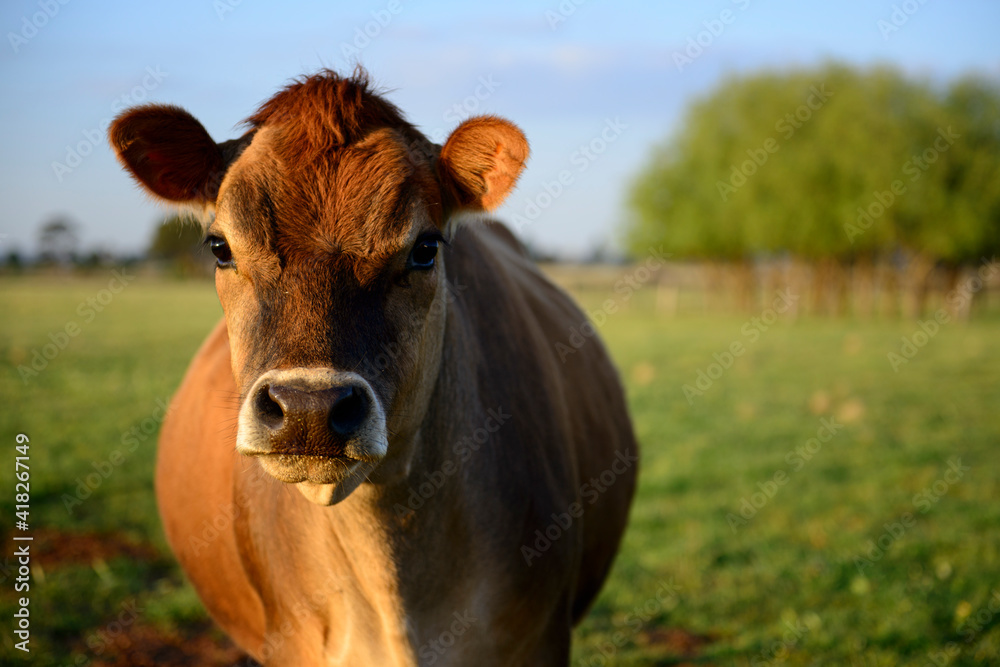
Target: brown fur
(321, 203)
(169, 153)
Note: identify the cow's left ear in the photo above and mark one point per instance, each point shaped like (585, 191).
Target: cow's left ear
(481, 161)
(171, 154)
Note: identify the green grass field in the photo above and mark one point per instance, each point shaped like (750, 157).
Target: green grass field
(811, 507)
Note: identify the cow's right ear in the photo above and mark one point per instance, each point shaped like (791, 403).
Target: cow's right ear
(170, 154)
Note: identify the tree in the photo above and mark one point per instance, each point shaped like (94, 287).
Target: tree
(58, 241)
(834, 167)
(13, 262)
(827, 163)
(177, 242)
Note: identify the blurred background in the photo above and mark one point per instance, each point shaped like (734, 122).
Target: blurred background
(782, 217)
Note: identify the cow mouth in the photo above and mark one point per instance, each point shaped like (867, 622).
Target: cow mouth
(324, 480)
(295, 468)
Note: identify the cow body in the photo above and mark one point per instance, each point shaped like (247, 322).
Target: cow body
(483, 543)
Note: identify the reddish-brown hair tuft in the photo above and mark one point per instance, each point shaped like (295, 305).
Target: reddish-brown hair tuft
(319, 113)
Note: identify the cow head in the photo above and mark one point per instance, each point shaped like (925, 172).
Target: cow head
(327, 219)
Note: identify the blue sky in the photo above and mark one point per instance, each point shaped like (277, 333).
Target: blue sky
(565, 78)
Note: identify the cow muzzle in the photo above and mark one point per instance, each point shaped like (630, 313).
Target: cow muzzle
(321, 429)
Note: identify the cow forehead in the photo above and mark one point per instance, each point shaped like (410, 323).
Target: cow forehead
(360, 202)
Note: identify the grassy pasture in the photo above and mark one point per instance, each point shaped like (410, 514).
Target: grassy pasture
(811, 506)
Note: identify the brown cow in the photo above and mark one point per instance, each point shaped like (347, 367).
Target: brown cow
(378, 458)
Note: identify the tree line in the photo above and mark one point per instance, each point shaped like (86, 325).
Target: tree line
(842, 171)
(175, 248)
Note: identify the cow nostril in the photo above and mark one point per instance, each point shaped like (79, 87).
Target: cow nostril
(268, 409)
(348, 413)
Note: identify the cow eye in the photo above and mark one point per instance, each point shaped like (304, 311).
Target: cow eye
(220, 248)
(423, 253)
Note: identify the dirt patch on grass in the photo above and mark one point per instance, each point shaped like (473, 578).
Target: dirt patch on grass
(197, 646)
(675, 642)
(200, 644)
(54, 548)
